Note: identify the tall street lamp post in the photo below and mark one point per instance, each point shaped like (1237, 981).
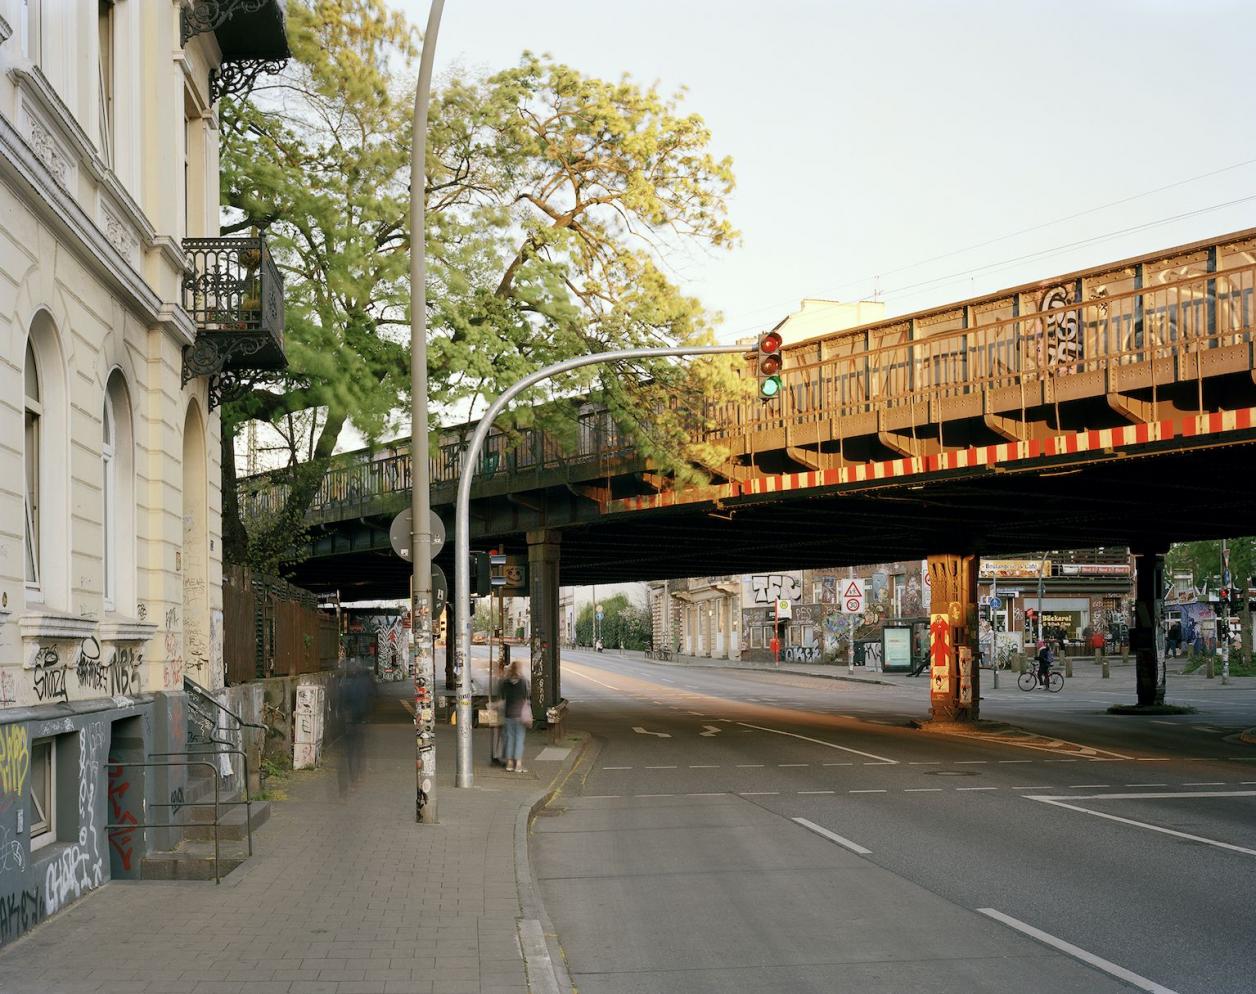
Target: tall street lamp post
(420, 497)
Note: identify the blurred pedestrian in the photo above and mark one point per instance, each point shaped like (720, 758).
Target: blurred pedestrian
(354, 697)
(516, 705)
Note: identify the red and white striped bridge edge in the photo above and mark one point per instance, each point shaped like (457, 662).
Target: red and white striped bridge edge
(1193, 426)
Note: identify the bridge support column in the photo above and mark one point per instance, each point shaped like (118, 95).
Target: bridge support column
(543, 561)
(954, 676)
(1147, 635)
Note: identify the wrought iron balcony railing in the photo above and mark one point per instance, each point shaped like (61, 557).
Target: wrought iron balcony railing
(234, 293)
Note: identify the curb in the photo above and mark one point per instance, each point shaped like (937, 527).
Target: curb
(543, 960)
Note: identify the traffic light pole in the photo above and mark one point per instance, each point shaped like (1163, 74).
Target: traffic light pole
(420, 496)
(464, 776)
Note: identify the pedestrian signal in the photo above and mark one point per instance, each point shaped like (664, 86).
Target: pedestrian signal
(770, 361)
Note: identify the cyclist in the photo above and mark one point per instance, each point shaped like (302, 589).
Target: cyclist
(1044, 663)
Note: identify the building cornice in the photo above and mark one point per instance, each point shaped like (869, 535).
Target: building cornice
(6, 31)
(39, 165)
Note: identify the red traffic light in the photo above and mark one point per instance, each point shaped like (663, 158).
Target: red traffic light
(770, 342)
(770, 364)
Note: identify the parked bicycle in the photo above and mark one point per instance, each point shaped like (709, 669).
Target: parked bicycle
(1029, 680)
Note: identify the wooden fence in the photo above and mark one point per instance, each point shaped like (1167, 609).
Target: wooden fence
(272, 628)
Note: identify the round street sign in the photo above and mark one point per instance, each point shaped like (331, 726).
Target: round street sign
(600, 614)
(995, 603)
(399, 534)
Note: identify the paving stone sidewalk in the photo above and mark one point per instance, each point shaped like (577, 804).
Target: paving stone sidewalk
(342, 896)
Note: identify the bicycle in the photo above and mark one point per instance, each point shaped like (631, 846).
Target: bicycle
(1029, 680)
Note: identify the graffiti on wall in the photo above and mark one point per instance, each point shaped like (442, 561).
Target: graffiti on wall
(766, 588)
(120, 839)
(48, 676)
(8, 688)
(172, 668)
(19, 913)
(215, 647)
(79, 867)
(119, 674)
(15, 760)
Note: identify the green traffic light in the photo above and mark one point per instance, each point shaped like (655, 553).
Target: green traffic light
(770, 387)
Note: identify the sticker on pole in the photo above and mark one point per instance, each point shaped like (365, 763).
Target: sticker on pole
(853, 595)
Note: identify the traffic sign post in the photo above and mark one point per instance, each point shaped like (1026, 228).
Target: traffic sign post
(852, 601)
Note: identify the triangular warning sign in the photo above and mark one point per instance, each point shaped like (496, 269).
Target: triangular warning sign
(853, 590)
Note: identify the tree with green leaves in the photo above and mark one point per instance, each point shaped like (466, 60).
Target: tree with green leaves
(1203, 559)
(554, 200)
(624, 625)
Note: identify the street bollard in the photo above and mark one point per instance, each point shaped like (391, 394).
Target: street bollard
(1020, 662)
(1106, 674)
(1097, 657)
(995, 677)
(1209, 668)
(1068, 666)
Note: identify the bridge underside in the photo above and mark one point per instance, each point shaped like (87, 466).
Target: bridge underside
(1156, 495)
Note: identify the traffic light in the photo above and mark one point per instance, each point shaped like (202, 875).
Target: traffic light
(481, 574)
(769, 364)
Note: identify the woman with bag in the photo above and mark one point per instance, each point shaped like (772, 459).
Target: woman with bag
(515, 697)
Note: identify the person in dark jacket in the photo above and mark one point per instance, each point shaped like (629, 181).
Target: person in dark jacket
(515, 696)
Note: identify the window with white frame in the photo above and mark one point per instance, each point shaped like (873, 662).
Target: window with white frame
(43, 798)
(29, 28)
(109, 501)
(106, 59)
(34, 411)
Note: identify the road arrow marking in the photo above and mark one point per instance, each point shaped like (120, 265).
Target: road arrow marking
(641, 731)
(710, 730)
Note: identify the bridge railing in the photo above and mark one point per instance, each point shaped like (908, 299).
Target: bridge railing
(1157, 324)
(1074, 327)
(354, 482)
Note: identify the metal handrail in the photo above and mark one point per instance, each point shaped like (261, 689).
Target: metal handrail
(247, 802)
(191, 685)
(163, 824)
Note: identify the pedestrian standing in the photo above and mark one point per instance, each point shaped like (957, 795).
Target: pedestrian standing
(515, 696)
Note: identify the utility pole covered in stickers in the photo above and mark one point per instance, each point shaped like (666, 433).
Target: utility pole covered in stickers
(953, 674)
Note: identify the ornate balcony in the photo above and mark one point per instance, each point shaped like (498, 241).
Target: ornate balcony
(234, 293)
(251, 37)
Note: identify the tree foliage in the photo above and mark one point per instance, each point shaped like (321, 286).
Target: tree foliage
(554, 200)
(1203, 559)
(624, 625)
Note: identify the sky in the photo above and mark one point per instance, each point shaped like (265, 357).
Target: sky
(870, 137)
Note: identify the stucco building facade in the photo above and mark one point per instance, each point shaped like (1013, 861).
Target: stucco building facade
(110, 524)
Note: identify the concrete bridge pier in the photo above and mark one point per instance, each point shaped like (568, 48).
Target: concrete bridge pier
(1147, 633)
(543, 563)
(954, 674)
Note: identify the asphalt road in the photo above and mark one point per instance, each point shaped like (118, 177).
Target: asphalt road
(761, 832)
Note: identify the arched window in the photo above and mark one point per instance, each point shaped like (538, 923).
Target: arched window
(117, 498)
(109, 494)
(34, 411)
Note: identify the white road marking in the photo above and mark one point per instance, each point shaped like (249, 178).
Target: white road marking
(792, 764)
(817, 792)
(1005, 761)
(1152, 759)
(1107, 966)
(654, 795)
(641, 731)
(759, 793)
(709, 731)
(867, 791)
(921, 790)
(584, 676)
(600, 797)
(1060, 803)
(976, 788)
(617, 767)
(1205, 783)
(854, 847)
(929, 762)
(971, 762)
(1076, 786)
(837, 764)
(830, 745)
(711, 767)
(1146, 785)
(660, 767)
(749, 766)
